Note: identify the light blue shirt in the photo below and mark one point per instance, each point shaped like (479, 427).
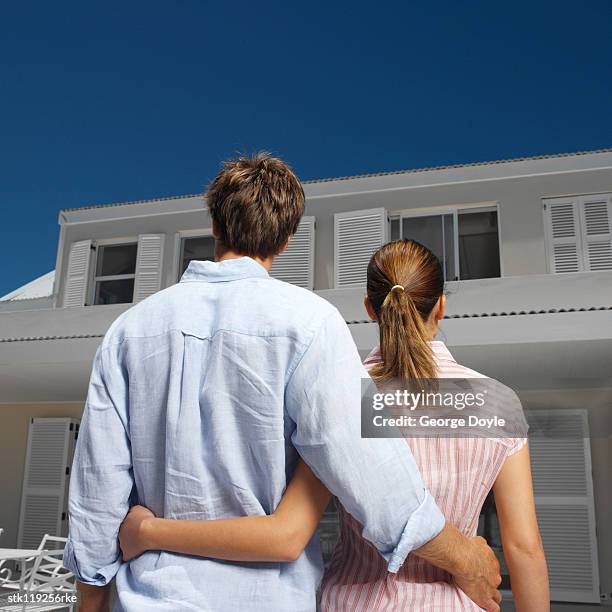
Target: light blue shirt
(200, 399)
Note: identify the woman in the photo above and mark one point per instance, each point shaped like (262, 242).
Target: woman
(405, 295)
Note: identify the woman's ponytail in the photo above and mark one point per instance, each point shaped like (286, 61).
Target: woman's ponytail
(405, 282)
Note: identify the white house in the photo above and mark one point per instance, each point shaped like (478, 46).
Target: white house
(527, 251)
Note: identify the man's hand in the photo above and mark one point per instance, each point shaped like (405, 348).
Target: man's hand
(132, 533)
(472, 563)
(480, 577)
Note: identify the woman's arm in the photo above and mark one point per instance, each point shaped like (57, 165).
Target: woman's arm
(520, 535)
(281, 536)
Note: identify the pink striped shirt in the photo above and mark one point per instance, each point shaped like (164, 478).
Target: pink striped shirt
(459, 473)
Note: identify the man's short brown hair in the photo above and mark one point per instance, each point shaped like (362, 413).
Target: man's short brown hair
(256, 204)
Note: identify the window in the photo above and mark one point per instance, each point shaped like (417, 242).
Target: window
(579, 233)
(478, 244)
(436, 232)
(199, 248)
(115, 273)
(465, 240)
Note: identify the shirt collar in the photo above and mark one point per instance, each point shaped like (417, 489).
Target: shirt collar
(438, 348)
(440, 351)
(223, 271)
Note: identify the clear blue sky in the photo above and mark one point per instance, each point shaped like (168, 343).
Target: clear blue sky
(110, 101)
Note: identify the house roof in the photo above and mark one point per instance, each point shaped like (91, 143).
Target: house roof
(40, 287)
(455, 166)
(368, 175)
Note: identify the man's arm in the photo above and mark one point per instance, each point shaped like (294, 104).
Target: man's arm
(376, 480)
(100, 484)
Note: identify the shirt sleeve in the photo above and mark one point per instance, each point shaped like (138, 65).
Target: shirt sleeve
(376, 480)
(516, 444)
(101, 479)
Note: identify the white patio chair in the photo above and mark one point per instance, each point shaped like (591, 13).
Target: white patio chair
(25, 566)
(46, 577)
(50, 542)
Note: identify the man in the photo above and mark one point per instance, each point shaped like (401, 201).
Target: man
(200, 399)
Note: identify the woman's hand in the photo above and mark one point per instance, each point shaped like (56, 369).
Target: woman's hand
(132, 533)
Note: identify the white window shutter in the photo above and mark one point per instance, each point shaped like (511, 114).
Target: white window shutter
(357, 235)
(148, 265)
(77, 275)
(296, 263)
(596, 217)
(563, 486)
(45, 487)
(563, 235)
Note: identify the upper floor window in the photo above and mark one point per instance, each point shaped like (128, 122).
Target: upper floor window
(478, 236)
(465, 240)
(198, 248)
(294, 265)
(115, 273)
(579, 233)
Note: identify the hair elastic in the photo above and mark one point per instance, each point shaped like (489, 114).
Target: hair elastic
(398, 287)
